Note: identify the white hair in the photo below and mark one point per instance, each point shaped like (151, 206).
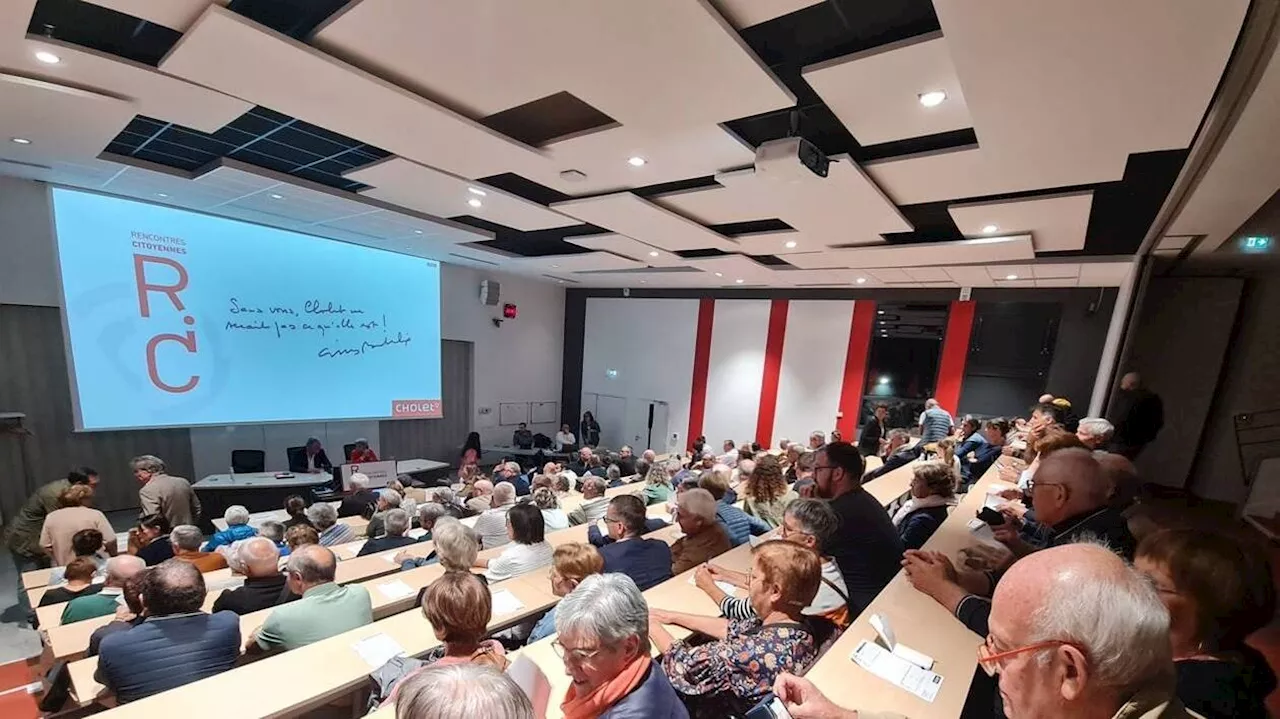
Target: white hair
(271, 530)
(391, 497)
(504, 492)
(608, 607)
(396, 523)
(358, 480)
(186, 536)
(429, 513)
(784, 443)
(930, 403)
(1097, 427)
(456, 544)
(147, 463)
(462, 691)
(818, 435)
(698, 502)
(512, 467)
(236, 514)
(322, 515)
(722, 472)
(443, 495)
(1120, 623)
(746, 467)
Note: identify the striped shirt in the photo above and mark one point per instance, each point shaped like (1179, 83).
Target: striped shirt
(935, 424)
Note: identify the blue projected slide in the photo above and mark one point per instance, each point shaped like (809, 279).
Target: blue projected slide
(175, 318)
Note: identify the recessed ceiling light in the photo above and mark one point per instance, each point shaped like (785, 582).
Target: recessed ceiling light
(738, 281)
(560, 281)
(554, 266)
(988, 229)
(636, 161)
(20, 140)
(653, 253)
(162, 194)
(474, 202)
(884, 380)
(417, 232)
(476, 191)
(861, 280)
(719, 274)
(879, 312)
(1011, 277)
(47, 57)
(791, 244)
(933, 98)
(643, 281)
(274, 196)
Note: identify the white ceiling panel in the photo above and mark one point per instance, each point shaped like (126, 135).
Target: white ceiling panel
(563, 264)
(408, 184)
(890, 275)
(715, 205)
(1055, 270)
(1015, 283)
(969, 275)
(830, 278)
(627, 247)
(1002, 273)
(176, 14)
(1057, 282)
(928, 274)
(785, 242)
(61, 123)
(1176, 242)
(1049, 115)
(745, 13)
(876, 93)
(640, 219)
(1056, 223)
(1103, 274)
(983, 251)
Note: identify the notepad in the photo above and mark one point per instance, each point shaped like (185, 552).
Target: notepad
(504, 602)
(529, 677)
(395, 589)
(725, 587)
(896, 670)
(377, 650)
(416, 533)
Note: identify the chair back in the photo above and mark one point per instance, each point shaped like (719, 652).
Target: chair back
(347, 449)
(245, 461)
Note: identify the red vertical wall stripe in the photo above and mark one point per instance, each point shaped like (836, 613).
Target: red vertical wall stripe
(855, 368)
(701, 365)
(772, 371)
(955, 352)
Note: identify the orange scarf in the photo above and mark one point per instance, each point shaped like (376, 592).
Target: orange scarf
(607, 694)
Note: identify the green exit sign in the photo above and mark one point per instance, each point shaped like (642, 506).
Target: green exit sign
(1256, 243)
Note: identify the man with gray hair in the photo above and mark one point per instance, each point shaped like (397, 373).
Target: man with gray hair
(325, 609)
(163, 493)
(324, 518)
(396, 522)
(264, 586)
(388, 499)
(481, 496)
(594, 503)
(186, 540)
(603, 630)
(462, 691)
(274, 531)
(492, 524)
(817, 439)
(102, 604)
(1095, 432)
(237, 518)
(357, 503)
(899, 453)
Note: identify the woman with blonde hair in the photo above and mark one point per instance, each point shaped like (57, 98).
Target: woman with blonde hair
(765, 493)
(553, 517)
(657, 485)
(75, 513)
(933, 493)
(570, 564)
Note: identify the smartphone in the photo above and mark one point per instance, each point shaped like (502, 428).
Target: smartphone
(991, 516)
(771, 707)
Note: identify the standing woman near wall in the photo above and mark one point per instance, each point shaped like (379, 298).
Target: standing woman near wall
(590, 430)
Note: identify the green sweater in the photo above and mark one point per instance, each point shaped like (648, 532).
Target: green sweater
(88, 607)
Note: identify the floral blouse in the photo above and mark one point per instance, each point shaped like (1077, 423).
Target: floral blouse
(743, 665)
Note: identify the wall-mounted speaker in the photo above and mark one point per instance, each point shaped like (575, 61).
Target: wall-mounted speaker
(490, 292)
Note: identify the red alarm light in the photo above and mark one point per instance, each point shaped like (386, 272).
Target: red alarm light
(509, 311)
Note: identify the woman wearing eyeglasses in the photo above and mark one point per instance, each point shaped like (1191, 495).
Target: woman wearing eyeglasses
(570, 564)
(603, 638)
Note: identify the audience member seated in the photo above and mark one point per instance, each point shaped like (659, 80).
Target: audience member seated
(646, 561)
(462, 691)
(899, 453)
(79, 576)
(522, 437)
(395, 523)
(325, 608)
(273, 531)
(1122, 478)
(86, 543)
(311, 459)
(73, 515)
(1048, 442)
(978, 453)
(186, 540)
(300, 535)
(603, 637)
(704, 536)
(455, 548)
(866, 546)
(804, 465)
(324, 518)
(177, 643)
(481, 499)
(810, 523)
(103, 602)
(527, 549)
(264, 586)
(151, 539)
(743, 471)
(361, 453)
(127, 617)
(626, 461)
(565, 441)
(764, 492)
(428, 514)
(553, 517)
(491, 525)
(803, 700)
(739, 525)
(1095, 432)
(657, 485)
(933, 494)
(1070, 496)
(593, 505)
(237, 518)
(510, 472)
(388, 499)
(563, 485)
(359, 497)
(1218, 591)
(731, 674)
(296, 507)
(596, 465)
(570, 564)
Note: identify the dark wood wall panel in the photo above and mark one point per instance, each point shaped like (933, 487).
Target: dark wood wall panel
(439, 439)
(33, 380)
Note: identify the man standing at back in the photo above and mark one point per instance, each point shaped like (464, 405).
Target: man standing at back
(935, 422)
(324, 610)
(162, 493)
(176, 644)
(866, 547)
(1138, 415)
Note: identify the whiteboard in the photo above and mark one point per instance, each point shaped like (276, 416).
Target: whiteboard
(513, 413)
(545, 412)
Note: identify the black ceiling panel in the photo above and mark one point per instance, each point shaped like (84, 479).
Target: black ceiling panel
(295, 18)
(102, 29)
(733, 229)
(537, 122)
(524, 187)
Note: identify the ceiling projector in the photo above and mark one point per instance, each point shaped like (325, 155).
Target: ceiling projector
(786, 156)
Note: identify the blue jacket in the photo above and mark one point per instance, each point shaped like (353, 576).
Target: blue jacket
(738, 524)
(598, 540)
(916, 528)
(655, 698)
(544, 628)
(166, 652)
(227, 536)
(646, 561)
(984, 453)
